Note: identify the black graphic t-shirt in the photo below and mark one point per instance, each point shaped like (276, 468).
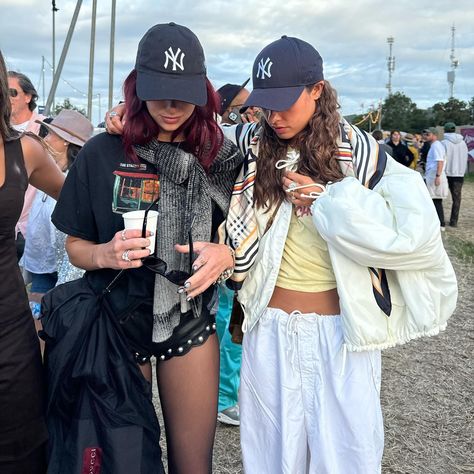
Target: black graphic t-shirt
(102, 184)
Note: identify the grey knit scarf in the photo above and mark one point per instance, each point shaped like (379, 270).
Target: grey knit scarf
(186, 190)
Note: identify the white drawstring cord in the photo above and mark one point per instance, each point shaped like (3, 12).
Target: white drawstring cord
(291, 331)
(312, 194)
(292, 159)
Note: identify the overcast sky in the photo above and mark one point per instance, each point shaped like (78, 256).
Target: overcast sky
(351, 36)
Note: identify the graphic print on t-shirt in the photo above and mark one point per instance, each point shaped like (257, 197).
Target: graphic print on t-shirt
(136, 185)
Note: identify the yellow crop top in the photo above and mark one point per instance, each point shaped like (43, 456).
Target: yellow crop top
(305, 265)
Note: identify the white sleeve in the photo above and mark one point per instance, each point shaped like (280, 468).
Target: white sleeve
(439, 151)
(241, 135)
(394, 227)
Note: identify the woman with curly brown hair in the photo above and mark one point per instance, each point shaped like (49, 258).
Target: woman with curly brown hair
(337, 256)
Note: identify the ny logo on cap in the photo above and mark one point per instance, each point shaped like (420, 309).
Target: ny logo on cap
(264, 68)
(172, 56)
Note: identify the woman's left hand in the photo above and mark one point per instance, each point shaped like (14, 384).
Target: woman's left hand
(212, 260)
(296, 196)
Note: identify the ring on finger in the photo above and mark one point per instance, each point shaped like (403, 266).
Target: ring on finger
(122, 235)
(125, 256)
(113, 114)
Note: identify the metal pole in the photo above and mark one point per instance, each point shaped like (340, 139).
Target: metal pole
(91, 61)
(62, 59)
(42, 78)
(54, 10)
(390, 64)
(100, 109)
(112, 51)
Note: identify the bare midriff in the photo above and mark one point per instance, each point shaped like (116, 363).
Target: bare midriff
(323, 302)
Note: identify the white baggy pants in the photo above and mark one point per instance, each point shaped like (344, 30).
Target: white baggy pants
(306, 404)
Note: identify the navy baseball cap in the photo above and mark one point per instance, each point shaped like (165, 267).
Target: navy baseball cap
(170, 65)
(281, 71)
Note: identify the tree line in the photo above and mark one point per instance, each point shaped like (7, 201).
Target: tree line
(399, 112)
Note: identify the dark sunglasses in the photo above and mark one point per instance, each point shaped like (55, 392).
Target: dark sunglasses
(12, 92)
(157, 265)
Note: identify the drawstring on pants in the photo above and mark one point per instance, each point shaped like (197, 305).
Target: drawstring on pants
(291, 331)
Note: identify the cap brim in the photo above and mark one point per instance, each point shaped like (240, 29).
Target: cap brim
(191, 89)
(278, 98)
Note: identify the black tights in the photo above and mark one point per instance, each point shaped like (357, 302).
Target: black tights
(438, 203)
(189, 388)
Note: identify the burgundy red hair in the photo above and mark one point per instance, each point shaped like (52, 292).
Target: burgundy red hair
(203, 136)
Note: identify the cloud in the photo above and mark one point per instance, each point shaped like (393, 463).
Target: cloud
(351, 37)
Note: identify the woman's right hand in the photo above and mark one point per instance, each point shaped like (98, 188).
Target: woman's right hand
(115, 119)
(124, 251)
(92, 256)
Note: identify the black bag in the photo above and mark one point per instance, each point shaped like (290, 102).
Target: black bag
(100, 415)
(136, 322)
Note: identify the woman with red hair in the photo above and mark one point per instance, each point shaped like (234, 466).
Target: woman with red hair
(172, 155)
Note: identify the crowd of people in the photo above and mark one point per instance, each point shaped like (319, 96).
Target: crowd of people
(268, 205)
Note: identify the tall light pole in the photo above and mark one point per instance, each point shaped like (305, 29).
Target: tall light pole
(58, 71)
(390, 63)
(91, 61)
(454, 63)
(112, 50)
(54, 10)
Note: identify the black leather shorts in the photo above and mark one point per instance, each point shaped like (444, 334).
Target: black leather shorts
(189, 333)
(137, 326)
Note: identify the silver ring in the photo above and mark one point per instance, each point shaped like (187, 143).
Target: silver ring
(292, 186)
(113, 114)
(123, 235)
(125, 256)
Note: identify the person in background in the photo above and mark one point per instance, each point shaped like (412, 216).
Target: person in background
(412, 145)
(424, 149)
(23, 97)
(435, 172)
(401, 152)
(232, 110)
(233, 97)
(378, 135)
(23, 433)
(456, 167)
(44, 253)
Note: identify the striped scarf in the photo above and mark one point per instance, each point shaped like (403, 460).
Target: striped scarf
(185, 190)
(359, 156)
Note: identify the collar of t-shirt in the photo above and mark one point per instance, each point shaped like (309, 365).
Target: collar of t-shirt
(21, 127)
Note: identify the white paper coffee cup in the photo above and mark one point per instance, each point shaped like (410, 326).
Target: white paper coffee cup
(134, 220)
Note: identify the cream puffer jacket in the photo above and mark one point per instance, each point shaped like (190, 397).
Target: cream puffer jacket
(394, 227)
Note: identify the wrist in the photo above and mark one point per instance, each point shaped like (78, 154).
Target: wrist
(228, 272)
(96, 257)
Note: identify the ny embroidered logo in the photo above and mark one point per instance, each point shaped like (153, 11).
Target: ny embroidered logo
(264, 68)
(175, 58)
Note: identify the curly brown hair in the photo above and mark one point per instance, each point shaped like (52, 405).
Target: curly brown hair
(317, 145)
